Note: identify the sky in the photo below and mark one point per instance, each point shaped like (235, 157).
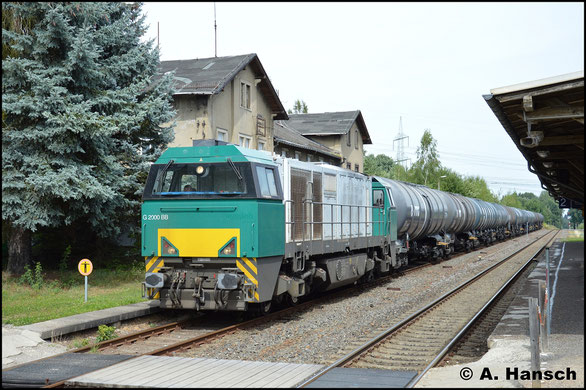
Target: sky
(425, 65)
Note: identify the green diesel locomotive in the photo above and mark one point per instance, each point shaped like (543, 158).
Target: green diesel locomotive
(230, 228)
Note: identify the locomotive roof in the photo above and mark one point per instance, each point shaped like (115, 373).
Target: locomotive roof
(218, 153)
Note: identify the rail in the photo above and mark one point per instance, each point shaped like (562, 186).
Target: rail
(385, 334)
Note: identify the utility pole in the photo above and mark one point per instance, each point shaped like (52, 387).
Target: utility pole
(438, 181)
(400, 138)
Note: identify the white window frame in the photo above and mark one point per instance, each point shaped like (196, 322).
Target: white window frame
(245, 95)
(248, 139)
(261, 145)
(224, 133)
(297, 156)
(356, 139)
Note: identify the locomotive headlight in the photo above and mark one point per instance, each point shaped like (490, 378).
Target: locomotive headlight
(199, 170)
(168, 249)
(229, 249)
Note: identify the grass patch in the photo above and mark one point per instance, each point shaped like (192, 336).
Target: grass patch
(574, 235)
(62, 294)
(573, 239)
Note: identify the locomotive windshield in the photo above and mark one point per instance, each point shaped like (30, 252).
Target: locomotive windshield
(205, 180)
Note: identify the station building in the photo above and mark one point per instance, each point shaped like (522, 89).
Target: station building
(232, 99)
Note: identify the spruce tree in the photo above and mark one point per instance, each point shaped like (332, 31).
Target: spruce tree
(81, 117)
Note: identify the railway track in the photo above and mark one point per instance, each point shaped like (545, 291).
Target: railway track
(181, 336)
(421, 340)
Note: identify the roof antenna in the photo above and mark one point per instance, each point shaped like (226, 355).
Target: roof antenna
(215, 33)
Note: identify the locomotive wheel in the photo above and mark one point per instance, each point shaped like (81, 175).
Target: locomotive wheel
(264, 308)
(291, 301)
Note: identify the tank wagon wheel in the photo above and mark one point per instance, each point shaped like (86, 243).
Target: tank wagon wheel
(447, 255)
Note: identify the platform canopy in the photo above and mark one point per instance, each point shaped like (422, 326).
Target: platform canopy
(545, 120)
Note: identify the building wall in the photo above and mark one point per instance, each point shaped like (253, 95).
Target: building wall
(353, 155)
(192, 113)
(200, 116)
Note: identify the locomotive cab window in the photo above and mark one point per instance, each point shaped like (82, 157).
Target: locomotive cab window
(378, 198)
(267, 186)
(202, 180)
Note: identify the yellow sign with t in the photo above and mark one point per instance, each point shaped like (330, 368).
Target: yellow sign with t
(85, 268)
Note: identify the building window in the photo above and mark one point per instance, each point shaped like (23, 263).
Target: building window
(261, 145)
(349, 166)
(284, 152)
(244, 141)
(357, 167)
(244, 95)
(297, 156)
(261, 125)
(356, 139)
(321, 159)
(308, 157)
(222, 135)
(349, 140)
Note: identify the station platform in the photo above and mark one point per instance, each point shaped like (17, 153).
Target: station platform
(169, 371)
(78, 322)
(509, 345)
(23, 344)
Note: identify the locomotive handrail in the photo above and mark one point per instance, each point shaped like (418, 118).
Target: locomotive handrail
(293, 222)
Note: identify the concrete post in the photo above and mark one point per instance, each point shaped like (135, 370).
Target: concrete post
(543, 312)
(548, 294)
(534, 339)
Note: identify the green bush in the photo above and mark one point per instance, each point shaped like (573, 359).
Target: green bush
(65, 259)
(35, 280)
(106, 332)
(81, 343)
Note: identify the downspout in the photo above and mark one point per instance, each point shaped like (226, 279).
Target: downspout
(211, 116)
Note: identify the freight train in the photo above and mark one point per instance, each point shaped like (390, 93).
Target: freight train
(230, 228)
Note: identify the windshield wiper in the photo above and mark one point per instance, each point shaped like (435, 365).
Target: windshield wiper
(234, 168)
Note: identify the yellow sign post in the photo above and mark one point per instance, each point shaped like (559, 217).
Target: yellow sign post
(85, 268)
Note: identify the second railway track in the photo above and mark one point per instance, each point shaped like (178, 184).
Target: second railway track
(422, 339)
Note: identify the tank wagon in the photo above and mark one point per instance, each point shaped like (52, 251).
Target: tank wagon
(229, 228)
